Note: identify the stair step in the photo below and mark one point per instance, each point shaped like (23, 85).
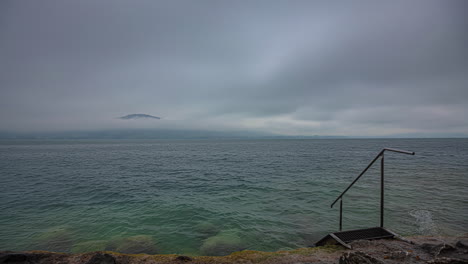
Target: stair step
(345, 237)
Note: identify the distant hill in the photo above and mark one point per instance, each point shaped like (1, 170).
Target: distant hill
(138, 116)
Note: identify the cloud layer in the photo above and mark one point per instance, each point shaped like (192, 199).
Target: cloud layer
(290, 67)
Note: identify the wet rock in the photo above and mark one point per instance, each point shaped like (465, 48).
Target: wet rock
(13, 258)
(400, 255)
(463, 243)
(447, 261)
(133, 245)
(89, 246)
(183, 258)
(100, 258)
(222, 244)
(437, 249)
(57, 239)
(358, 257)
(30, 258)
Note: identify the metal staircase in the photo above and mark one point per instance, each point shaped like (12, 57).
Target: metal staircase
(345, 237)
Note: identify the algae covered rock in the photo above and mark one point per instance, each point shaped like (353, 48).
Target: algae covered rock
(222, 244)
(89, 246)
(58, 239)
(133, 245)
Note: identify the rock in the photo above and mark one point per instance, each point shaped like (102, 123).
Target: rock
(447, 261)
(133, 245)
(89, 246)
(30, 258)
(400, 255)
(57, 239)
(206, 228)
(437, 249)
(183, 258)
(463, 243)
(358, 257)
(14, 258)
(222, 244)
(100, 258)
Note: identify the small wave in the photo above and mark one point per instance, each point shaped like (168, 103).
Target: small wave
(425, 222)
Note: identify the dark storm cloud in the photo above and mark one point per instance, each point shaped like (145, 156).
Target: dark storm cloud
(297, 67)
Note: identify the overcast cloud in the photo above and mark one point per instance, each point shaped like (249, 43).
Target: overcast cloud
(291, 67)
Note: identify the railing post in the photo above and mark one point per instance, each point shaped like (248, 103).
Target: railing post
(382, 190)
(341, 214)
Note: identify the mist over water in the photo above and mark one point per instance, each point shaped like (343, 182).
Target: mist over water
(190, 197)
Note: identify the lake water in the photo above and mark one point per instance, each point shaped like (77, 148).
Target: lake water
(216, 196)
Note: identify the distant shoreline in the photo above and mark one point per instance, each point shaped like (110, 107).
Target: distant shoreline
(195, 134)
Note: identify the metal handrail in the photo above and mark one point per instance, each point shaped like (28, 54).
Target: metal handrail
(380, 155)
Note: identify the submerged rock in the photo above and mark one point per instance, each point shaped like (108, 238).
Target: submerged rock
(206, 229)
(222, 244)
(89, 246)
(57, 239)
(133, 245)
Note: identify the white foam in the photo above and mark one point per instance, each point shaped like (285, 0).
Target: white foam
(425, 222)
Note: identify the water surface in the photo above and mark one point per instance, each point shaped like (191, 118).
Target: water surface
(270, 194)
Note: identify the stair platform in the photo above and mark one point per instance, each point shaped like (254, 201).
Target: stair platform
(345, 237)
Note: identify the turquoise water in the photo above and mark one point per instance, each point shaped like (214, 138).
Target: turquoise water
(216, 196)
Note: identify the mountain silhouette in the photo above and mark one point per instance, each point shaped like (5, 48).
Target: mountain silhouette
(138, 116)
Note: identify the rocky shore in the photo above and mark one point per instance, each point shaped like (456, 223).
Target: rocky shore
(431, 250)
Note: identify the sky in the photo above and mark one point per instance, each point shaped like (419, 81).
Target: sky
(347, 68)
